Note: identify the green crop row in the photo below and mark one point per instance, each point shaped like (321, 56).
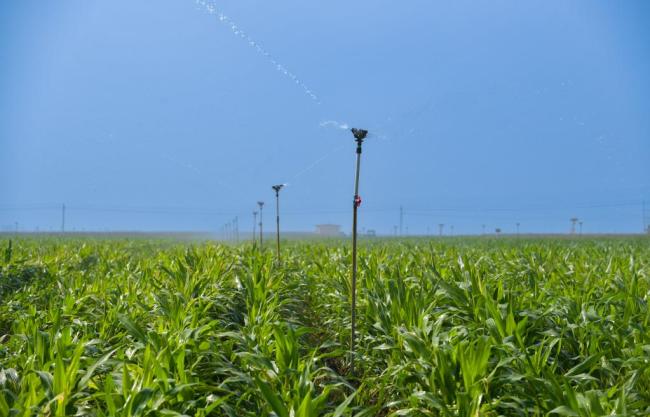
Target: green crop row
(445, 328)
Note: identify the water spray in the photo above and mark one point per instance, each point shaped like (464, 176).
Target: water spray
(277, 189)
(359, 136)
(334, 123)
(211, 8)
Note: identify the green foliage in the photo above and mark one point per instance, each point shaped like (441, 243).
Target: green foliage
(446, 328)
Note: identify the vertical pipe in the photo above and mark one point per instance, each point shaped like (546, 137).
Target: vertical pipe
(355, 206)
(254, 226)
(261, 205)
(261, 233)
(277, 222)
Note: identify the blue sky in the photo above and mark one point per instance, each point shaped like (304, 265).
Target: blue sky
(157, 115)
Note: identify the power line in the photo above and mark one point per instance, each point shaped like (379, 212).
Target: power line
(461, 211)
(30, 208)
(527, 208)
(38, 206)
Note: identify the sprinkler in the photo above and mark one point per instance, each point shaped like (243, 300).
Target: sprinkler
(277, 189)
(359, 136)
(261, 204)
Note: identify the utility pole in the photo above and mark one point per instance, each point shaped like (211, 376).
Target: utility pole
(261, 204)
(254, 225)
(401, 220)
(573, 220)
(63, 218)
(359, 136)
(277, 189)
(440, 226)
(518, 228)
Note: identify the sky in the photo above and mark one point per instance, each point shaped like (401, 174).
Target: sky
(180, 115)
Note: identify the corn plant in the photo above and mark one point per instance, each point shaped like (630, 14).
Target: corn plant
(465, 327)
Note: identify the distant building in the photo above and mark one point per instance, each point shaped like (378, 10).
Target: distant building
(328, 230)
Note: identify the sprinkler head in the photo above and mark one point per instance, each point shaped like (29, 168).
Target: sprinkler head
(278, 187)
(359, 134)
(260, 203)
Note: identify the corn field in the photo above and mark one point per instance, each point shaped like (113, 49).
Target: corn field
(452, 327)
